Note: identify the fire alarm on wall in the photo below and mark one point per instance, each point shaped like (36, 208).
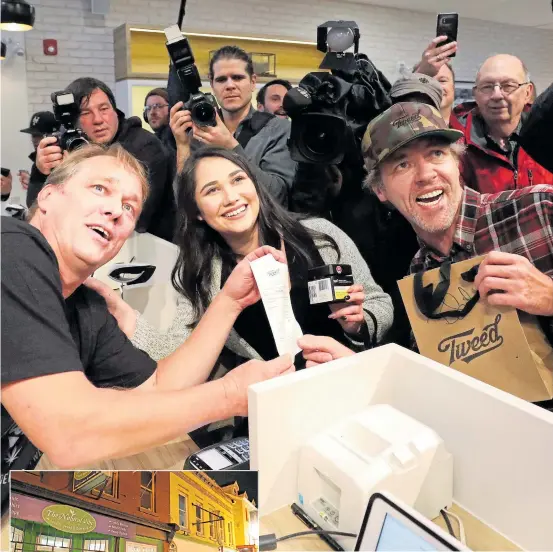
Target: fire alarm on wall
(50, 47)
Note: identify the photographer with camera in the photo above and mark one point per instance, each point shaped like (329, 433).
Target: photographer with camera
(260, 137)
(98, 120)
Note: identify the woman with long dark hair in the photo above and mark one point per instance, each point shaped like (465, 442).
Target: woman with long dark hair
(223, 215)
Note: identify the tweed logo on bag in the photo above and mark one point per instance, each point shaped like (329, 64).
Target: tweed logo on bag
(464, 347)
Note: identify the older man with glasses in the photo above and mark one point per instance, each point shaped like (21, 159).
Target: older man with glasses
(495, 161)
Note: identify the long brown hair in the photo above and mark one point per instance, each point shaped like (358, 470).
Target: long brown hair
(199, 244)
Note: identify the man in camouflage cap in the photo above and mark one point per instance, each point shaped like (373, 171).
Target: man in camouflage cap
(412, 159)
(399, 147)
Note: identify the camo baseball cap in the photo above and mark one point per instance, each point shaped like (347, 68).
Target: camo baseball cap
(399, 125)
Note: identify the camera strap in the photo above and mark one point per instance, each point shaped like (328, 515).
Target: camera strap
(252, 126)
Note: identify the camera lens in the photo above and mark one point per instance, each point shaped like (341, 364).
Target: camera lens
(73, 142)
(203, 114)
(319, 140)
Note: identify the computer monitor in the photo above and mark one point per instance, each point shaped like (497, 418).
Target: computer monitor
(390, 525)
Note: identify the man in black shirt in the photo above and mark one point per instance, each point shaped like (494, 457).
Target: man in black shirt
(73, 386)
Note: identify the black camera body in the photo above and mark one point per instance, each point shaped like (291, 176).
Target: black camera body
(318, 132)
(202, 107)
(66, 112)
(330, 112)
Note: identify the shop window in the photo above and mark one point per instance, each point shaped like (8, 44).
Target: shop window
(212, 522)
(96, 545)
(199, 525)
(139, 547)
(183, 511)
(45, 543)
(111, 489)
(230, 534)
(16, 539)
(218, 526)
(112, 486)
(147, 489)
(222, 529)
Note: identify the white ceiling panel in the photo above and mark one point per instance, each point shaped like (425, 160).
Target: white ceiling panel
(530, 13)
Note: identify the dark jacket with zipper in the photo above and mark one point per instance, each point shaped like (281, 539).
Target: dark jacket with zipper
(535, 134)
(485, 167)
(158, 213)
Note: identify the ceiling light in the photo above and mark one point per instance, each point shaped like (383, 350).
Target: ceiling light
(17, 15)
(334, 38)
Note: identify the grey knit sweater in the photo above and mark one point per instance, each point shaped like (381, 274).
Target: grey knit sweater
(159, 345)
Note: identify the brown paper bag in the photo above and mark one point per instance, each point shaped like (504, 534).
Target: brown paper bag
(497, 345)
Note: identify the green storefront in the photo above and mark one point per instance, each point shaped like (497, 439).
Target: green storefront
(39, 525)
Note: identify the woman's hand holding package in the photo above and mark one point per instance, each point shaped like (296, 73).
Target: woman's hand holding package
(350, 313)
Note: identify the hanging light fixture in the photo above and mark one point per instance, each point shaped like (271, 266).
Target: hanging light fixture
(4, 50)
(17, 15)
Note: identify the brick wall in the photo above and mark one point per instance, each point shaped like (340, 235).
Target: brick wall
(388, 36)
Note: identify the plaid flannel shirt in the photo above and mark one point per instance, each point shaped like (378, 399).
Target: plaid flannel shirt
(514, 221)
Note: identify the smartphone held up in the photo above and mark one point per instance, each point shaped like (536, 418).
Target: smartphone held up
(447, 25)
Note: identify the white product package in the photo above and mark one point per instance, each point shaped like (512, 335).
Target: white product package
(271, 277)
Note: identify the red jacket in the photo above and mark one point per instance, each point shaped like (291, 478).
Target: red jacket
(487, 170)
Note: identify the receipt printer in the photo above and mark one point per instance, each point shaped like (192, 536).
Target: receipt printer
(378, 449)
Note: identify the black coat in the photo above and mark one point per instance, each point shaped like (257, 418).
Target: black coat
(158, 213)
(535, 134)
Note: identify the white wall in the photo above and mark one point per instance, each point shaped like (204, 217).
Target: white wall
(388, 36)
(15, 146)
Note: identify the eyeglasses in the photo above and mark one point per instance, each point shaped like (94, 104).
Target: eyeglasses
(149, 108)
(506, 87)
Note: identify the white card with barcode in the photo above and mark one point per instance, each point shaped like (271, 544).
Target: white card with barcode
(320, 291)
(272, 280)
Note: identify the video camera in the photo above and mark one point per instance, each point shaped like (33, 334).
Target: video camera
(66, 112)
(317, 132)
(202, 106)
(330, 111)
